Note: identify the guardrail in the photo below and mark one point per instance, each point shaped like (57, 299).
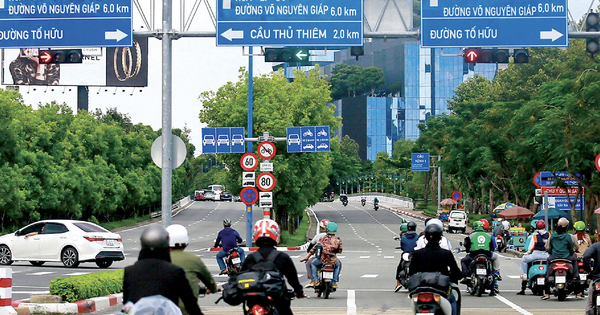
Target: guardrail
(176, 206)
(401, 201)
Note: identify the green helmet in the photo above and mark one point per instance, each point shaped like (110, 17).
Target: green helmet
(331, 227)
(478, 226)
(579, 226)
(404, 227)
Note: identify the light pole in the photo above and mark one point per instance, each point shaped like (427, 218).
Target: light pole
(370, 183)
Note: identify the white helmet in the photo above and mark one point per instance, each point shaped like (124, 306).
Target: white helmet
(499, 219)
(178, 236)
(436, 222)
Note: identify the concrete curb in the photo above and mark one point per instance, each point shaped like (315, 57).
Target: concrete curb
(84, 306)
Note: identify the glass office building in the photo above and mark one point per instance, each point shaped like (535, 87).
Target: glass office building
(428, 78)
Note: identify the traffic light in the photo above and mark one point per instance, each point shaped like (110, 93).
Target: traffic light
(61, 56)
(477, 55)
(592, 25)
(295, 54)
(521, 56)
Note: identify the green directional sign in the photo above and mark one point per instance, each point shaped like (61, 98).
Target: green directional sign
(289, 54)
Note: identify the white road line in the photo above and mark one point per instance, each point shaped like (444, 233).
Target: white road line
(76, 274)
(30, 292)
(514, 277)
(512, 305)
(40, 273)
(369, 276)
(294, 257)
(364, 257)
(341, 257)
(388, 257)
(350, 303)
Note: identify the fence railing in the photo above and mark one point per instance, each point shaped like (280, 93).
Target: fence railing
(176, 206)
(401, 201)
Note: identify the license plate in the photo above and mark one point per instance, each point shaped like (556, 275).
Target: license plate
(561, 279)
(327, 275)
(110, 242)
(541, 281)
(236, 260)
(598, 300)
(481, 272)
(582, 276)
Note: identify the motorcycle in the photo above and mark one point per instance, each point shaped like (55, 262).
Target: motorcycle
(376, 206)
(560, 278)
(595, 296)
(536, 276)
(429, 294)
(363, 202)
(233, 261)
(404, 265)
(260, 303)
(482, 276)
(345, 202)
(325, 275)
(584, 272)
(502, 241)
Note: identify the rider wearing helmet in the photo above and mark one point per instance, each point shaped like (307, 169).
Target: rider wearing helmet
(331, 246)
(480, 243)
(433, 258)
(230, 239)
(154, 274)
(308, 259)
(195, 270)
(444, 242)
(583, 239)
(266, 235)
(408, 242)
(535, 250)
(561, 245)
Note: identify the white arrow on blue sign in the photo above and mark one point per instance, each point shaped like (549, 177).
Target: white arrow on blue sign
(65, 23)
(223, 140)
(308, 139)
(494, 23)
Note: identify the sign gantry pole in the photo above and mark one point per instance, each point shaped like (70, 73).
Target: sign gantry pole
(167, 37)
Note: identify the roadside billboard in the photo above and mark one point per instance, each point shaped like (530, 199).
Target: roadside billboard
(116, 66)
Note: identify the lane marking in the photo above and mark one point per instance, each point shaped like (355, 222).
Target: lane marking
(350, 303)
(76, 274)
(513, 305)
(514, 277)
(40, 273)
(369, 276)
(388, 257)
(364, 257)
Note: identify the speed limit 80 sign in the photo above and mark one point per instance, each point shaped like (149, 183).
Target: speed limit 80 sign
(265, 181)
(249, 162)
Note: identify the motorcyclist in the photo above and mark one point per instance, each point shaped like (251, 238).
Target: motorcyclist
(583, 238)
(592, 253)
(332, 196)
(331, 245)
(480, 243)
(408, 242)
(561, 246)
(230, 239)
(195, 270)
(343, 198)
(444, 242)
(536, 250)
(363, 200)
(308, 259)
(433, 258)
(266, 234)
(375, 201)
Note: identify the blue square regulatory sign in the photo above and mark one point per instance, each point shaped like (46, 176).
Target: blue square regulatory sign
(420, 162)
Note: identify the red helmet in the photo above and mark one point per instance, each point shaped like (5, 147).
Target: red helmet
(486, 223)
(323, 223)
(540, 225)
(266, 228)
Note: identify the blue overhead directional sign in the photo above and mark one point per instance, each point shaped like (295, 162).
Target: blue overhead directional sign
(420, 162)
(308, 139)
(562, 203)
(290, 23)
(65, 23)
(549, 178)
(494, 23)
(223, 140)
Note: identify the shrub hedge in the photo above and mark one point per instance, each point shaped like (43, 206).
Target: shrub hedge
(91, 285)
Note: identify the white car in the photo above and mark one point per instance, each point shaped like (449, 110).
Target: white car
(209, 140)
(68, 241)
(294, 138)
(223, 139)
(457, 221)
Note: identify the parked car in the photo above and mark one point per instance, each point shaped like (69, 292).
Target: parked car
(199, 195)
(68, 241)
(226, 196)
(209, 195)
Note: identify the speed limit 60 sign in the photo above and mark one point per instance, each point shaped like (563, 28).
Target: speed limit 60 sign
(265, 181)
(249, 162)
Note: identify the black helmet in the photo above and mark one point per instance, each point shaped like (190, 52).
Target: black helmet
(411, 225)
(155, 237)
(433, 233)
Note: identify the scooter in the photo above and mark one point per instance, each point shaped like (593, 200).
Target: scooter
(233, 261)
(325, 275)
(560, 278)
(260, 303)
(376, 206)
(363, 202)
(482, 277)
(405, 265)
(429, 294)
(595, 296)
(536, 276)
(345, 202)
(584, 272)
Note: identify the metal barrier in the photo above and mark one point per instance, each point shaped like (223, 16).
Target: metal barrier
(401, 201)
(179, 204)
(6, 292)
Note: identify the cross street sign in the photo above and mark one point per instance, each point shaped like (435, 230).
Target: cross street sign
(308, 139)
(223, 140)
(494, 23)
(420, 162)
(65, 23)
(290, 23)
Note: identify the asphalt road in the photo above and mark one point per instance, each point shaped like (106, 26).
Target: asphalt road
(366, 281)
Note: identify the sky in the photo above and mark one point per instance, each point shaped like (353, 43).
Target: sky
(198, 66)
